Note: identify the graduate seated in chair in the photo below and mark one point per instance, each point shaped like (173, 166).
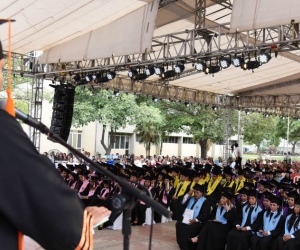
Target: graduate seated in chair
(290, 240)
(214, 233)
(271, 225)
(245, 223)
(197, 212)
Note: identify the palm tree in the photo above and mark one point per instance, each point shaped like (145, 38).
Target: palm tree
(149, 134)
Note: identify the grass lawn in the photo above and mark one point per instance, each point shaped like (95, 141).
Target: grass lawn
(272, 157)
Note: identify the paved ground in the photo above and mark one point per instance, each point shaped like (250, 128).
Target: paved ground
(163, 238)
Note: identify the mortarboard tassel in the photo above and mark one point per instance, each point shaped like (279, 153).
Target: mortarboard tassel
(10, 106)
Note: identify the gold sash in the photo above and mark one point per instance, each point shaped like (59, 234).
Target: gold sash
(212, 186)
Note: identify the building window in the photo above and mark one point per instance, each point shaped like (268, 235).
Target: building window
(187, 140)
(121, 141)
(138, 138)
(75, 139)
(171, 139)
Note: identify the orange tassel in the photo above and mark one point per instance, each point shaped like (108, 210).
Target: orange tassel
(10, 106)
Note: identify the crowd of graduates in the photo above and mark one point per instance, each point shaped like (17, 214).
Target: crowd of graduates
(255, 206)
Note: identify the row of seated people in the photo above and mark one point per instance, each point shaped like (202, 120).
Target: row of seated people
(206, 226)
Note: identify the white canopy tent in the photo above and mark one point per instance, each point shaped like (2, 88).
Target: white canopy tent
(81, 29)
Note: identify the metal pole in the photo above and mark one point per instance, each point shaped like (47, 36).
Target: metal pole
(288, 134)
(239, 127)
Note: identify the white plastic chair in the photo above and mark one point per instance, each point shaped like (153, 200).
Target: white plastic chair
(148, 217)
(118, 223)
(165, 219)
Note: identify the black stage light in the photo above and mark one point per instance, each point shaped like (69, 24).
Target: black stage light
(200, 66)
(251, 65)
(159, 70)
(264, 58)
(110, 75)
(179, 68)
(139, 77)
(132, 72)
(225, 63)
(154, 99)
(116, 93)
(212, 70)
(247, 112)
(101, 79)
(168, 74)
(186, 103)
(238, 61)
(214, 108)
(149, 71)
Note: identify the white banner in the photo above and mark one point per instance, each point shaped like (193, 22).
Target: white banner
(256, 14)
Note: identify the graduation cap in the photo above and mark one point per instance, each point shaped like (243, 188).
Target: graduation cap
(228, 173)
(247, 169)
(252, 193)
(175, 169)
(227, 169)
(133, 174)
(75, 176)
(167, 177)
(240, 172)
(70, 167)
(60, 166)
(148, 178)
(106, 181)
(257, 169)
(293, 194)
(208, 167)
(227, 194)
(244, 191)
(286, 189)
(200, 188)
(275, 199)
(267, 195)
(274, 183)
(184, 173)
(215, 171)
(248, 185)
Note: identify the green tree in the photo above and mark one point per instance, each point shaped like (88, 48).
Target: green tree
(150, 127)
(205, 124)
(103, 106)
(294, 131)
(258, 128)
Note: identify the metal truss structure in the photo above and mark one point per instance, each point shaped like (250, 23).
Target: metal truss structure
(36, 109)
(227, 116)
(202, 43)
(188, 46)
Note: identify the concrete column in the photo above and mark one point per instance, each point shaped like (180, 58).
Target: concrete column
(180, 145)
(132, 143)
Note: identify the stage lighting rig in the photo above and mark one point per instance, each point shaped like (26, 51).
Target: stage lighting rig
(159, 70)
(238, 61)
(200, 66)
(264, 57)
(110, 75)
(149, 71)
(168, 74)
(132, 72)
(179, 68)
(225, 63)
(212, 70)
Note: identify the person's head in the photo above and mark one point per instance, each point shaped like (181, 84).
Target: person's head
(228, 176)
(198, 191)
(297, 206)
(174, 173)
(133, 177)
(243, 194)
(224, 199)
(252, 197)
(167, 179)
(147, 181)
(292, 196)
(274, 203)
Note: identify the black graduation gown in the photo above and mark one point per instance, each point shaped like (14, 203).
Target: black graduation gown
(215, 196)
(263, 243)
(213, 234)
(38, 202)
(240, 240)
(159, 198)
(184, 232)
(291, 244)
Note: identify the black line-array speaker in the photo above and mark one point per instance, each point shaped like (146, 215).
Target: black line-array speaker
(62, 114)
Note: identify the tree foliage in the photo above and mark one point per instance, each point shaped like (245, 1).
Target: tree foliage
(258, 128)
(294, 131)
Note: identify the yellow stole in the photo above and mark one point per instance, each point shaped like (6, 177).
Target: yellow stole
(230, 185)
(175, 181)
(212, 186)
(183, 188)
(239, 184)
(207, 178)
